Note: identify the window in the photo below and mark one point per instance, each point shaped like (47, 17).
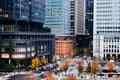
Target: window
(0, 10)
(5, 15)
(5, 55)
(19, 56)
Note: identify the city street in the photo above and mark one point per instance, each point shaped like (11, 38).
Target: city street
(40, 75)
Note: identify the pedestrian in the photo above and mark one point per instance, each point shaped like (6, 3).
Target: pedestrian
(91, 77)
(100, 77)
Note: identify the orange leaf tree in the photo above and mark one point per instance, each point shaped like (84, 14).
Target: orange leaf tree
(70, 54)
(95, 66)
(35, 62)
(65, 65)
(80, 66)
(53, 59)
(44, 61)
(71, 77)
(110, 66)
(50, 76)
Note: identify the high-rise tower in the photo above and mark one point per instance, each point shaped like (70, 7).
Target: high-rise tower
(79, 17)
(106, 37)
(21, 33)
(89, 16)
(57, 16)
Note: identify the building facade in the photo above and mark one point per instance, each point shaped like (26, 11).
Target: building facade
(63, 47)
(57, 16)
(79, 17)
(21, 33)
(106, 37)
(72, 18)
(89, 17)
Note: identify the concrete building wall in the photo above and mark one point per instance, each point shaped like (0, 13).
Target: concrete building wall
(106, 38)
(79, 17)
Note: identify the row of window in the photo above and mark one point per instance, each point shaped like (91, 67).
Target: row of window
(108, 23)
(110, 37)
(117, 40)
(106, 50)
(18, 56)
(104, 7)
(107, 15)
(108, 27)
(104, 3)
(26, 37)
(107, 32)
(111, 46)
(18, 49)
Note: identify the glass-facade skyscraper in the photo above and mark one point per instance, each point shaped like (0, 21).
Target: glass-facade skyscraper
(89, 16)
(57, 16)
(72, 17)
(106, 37)
(21, 32)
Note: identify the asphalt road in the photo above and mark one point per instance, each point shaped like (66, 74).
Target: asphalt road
(17, 77)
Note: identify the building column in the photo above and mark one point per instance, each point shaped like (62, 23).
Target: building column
(110, 56)
(116, 57)
(105, 57)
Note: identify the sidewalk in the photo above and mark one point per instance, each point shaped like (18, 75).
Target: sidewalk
(5, 77)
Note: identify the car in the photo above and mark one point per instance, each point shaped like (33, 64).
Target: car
(42, 75)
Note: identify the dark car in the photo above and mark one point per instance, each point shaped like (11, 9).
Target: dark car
(42, 75)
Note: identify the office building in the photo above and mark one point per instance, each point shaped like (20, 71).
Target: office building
(21, 33)
(79, 17)
(106, 37)
(57, 16)
(89, 17)
(72, 18)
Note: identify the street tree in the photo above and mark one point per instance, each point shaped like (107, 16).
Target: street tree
(80, 66)
(88, 69)
(71, 76)
(110, 66)
(50, 76)
(94, 66)
(46, 29)
(62, 55)
(35, 62)
(70, 54)
(53, 59)
(44, 60)
(65, 65)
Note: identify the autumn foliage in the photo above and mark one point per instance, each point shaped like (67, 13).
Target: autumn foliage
(64, 65)
(35, 62)
(50, 76)
(95, 66)
(71, 76)
(110, 66)
(53, 59)
(44, 61)
(80, 66)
